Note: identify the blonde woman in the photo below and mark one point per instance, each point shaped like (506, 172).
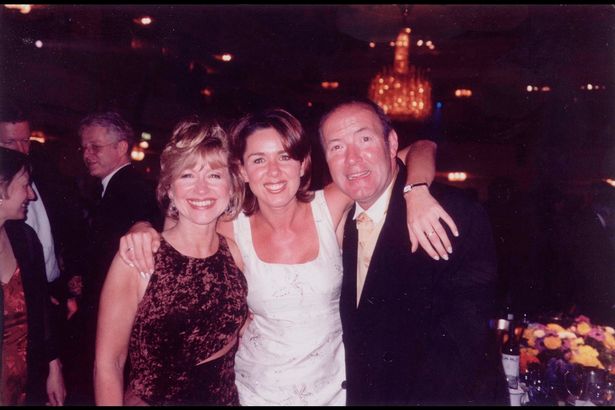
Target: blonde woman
(180, 325)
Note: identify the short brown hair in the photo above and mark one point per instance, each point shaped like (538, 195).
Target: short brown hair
(293, 140)
(192, 140)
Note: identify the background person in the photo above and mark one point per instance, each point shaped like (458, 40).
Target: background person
(127, 197)
(31, 372)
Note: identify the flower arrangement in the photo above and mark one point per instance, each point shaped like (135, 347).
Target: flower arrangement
(556, 347)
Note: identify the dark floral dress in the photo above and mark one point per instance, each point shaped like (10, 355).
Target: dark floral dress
(14, 370)
(191, 309)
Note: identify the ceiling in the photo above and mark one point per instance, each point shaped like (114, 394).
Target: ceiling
(97, 57)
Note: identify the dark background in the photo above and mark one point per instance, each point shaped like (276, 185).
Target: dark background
(531, 157)
(97, 57)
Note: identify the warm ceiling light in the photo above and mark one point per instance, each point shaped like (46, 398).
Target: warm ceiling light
(146, 136)
(137, 154)
(38, 136)
(207, 92)
(402, 91)
(38, 44)
(372, 44)
(23, 8)
(143, 21)
(144, 144)
(457, 176)
(330, 85)
(610, 181)
(463, 93)
(226, 57)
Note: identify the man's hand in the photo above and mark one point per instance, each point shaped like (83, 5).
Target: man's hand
(424, 214)
(71, 307)
(56, 392)
(138, 246)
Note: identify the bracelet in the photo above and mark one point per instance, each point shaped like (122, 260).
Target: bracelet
(410, 187)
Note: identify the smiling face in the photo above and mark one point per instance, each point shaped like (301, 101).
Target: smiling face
(102, 152)
(18, 194)
(201, 192)
(273, 176)
(360, 161)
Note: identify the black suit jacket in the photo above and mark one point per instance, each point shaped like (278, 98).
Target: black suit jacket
(129, 198)
(66, 212)
(42, 334)
(420, 334)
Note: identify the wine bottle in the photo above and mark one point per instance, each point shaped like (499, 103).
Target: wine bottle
(510, 356)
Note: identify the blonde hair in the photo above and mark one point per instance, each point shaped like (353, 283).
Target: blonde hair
(193, 140)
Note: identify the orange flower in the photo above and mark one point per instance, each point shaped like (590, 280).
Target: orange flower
(526, 357)
(552, 342)
(555, 327)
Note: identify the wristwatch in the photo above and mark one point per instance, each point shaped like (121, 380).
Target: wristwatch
(410, 187)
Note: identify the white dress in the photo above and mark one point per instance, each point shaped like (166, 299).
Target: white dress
(292, 352)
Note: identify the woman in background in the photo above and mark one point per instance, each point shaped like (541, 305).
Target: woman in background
(30, 369)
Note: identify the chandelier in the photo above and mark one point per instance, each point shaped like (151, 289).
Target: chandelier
(402, 91)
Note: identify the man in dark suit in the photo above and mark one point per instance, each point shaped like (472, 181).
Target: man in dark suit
(56, 215)
(127, 197)
(415, 329)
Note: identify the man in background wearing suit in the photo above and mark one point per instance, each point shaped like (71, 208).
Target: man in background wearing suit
(56, 215)
(415, 329)
(127, 197)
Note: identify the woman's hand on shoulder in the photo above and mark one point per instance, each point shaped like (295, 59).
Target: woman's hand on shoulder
(424, 219)
(138, 246)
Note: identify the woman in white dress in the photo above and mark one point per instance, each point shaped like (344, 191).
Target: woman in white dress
(291, 352)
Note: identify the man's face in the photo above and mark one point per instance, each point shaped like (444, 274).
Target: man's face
(361, 163)
(102, 153)
(15, 136)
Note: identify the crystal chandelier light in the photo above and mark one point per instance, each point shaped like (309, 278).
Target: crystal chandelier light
(402, 90)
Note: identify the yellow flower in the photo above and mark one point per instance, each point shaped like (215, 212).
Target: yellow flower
(609, 341)
(555, 327)
(583, 328)
(586, 356)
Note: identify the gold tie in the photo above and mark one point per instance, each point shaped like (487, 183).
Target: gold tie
(365, 226)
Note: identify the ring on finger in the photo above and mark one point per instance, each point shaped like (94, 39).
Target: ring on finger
(430, 233)
(129, 249)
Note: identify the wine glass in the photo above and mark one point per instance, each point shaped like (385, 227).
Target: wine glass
(586, 385)
(535, 385)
